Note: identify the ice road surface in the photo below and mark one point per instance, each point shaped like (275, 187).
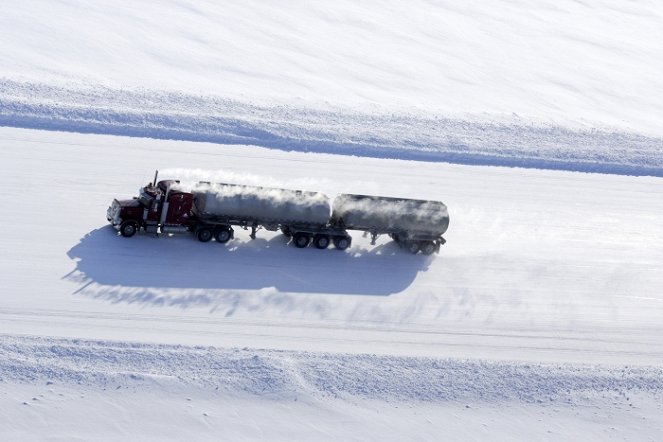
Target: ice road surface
(542, 312)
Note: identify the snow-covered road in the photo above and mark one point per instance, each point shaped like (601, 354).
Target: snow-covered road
(539, 265)
(540, 318)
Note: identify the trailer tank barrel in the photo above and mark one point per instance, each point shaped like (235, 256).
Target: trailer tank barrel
(385, 214)
(262, 203)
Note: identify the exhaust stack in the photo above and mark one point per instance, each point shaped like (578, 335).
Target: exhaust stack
(156, 173)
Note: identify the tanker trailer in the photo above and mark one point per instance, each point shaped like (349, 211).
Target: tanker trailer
(303, 215)
(417, 225)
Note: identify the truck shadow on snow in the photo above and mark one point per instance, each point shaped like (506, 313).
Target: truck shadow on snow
(182, 271)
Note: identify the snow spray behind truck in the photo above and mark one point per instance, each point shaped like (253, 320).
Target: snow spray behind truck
(214, 210)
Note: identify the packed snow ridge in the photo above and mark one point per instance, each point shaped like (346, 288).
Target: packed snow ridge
(416, 136)
(287, 374)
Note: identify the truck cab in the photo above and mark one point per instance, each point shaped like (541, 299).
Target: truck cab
(158, 208)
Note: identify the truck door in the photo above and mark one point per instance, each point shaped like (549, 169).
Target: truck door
(178, 208)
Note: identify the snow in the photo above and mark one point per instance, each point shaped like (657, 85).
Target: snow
(311, 395)
(559, 61)
(170, 415)
(157, 114)
(536, 124)
(547, 288)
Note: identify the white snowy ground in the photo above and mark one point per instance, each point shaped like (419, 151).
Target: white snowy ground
(577, 64)
(540, 319)
(117, 391)
(545, 275)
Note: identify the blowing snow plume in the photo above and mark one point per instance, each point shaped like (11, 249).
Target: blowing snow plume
(382, 213)
(248, 196)
(262, 203)
(190, 178)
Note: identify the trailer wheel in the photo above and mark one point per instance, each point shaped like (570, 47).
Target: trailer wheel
(428, 247)
(321, 241)
(128, 229)
(413, 247)
(204, 234)
(341, 242)
(223, 234)
(301, 240)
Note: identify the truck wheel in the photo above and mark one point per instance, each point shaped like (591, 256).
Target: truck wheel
(321, 241)
(204, 234)
(128, 229)
(301, 240)
(286, 231)
(428, 247)
(341, 242)
(223, 234)
(413, 247)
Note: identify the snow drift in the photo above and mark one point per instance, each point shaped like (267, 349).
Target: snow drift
(287, 374)
(420, 135)
(568, 63)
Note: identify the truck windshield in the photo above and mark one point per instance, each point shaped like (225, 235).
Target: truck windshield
(145, 198)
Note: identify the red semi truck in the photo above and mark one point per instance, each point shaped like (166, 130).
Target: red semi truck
(213, 210)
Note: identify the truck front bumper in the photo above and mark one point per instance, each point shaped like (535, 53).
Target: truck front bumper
(113, 215)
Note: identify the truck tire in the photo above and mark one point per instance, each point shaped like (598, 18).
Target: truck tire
(223, 234)
(321, 241)
(301, 240)
(428, 247)
(412, 247)
(129, 228)
(341, 242)
(204, 234)
(286, 231)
